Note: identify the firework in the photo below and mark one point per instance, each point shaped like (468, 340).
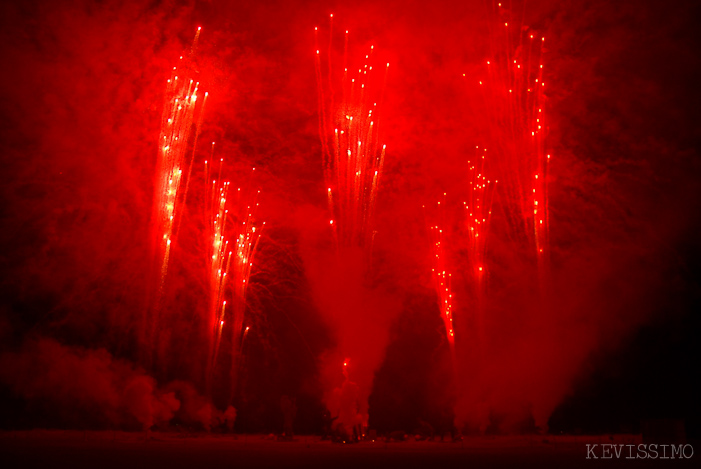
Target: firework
(350, 106)
(353, 155)
(514, 106)
(478, 211)
(181, 122)
(441, 275)
(181, 111)
(230, 215)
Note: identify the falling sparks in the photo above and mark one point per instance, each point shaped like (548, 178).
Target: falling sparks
(516, 127)
(441, 275)
(478, 211)
(234, 238)
(180, 112)
(350, 138)
(181, 122)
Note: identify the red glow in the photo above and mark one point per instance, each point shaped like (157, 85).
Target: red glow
(488, 304)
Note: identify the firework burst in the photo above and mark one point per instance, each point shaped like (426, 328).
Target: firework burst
(182, 117)
(442, 278)
(351, 143)
(230, 216)
(478, 211)
(512, 90)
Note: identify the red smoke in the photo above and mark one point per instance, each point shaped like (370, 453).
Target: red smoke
(85, 388)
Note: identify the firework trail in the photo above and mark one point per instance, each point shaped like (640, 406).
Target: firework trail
(442, 277)
(350, 106)
(478, 211)
(350, 139)
(514, 106)
(472, 239)
(181, 122)
(230, 264)
(513, 124)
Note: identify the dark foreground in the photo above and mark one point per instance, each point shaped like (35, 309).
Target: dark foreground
(75, 449)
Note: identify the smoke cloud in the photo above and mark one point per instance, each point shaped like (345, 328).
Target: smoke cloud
(86, 388)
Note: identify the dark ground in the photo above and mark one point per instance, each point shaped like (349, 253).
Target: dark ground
(76, 449)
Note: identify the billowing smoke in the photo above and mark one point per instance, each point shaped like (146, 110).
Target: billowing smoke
(358, 314)
(85, 388)
(79, 387)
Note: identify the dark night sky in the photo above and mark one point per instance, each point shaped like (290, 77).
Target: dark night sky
(80, 106)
